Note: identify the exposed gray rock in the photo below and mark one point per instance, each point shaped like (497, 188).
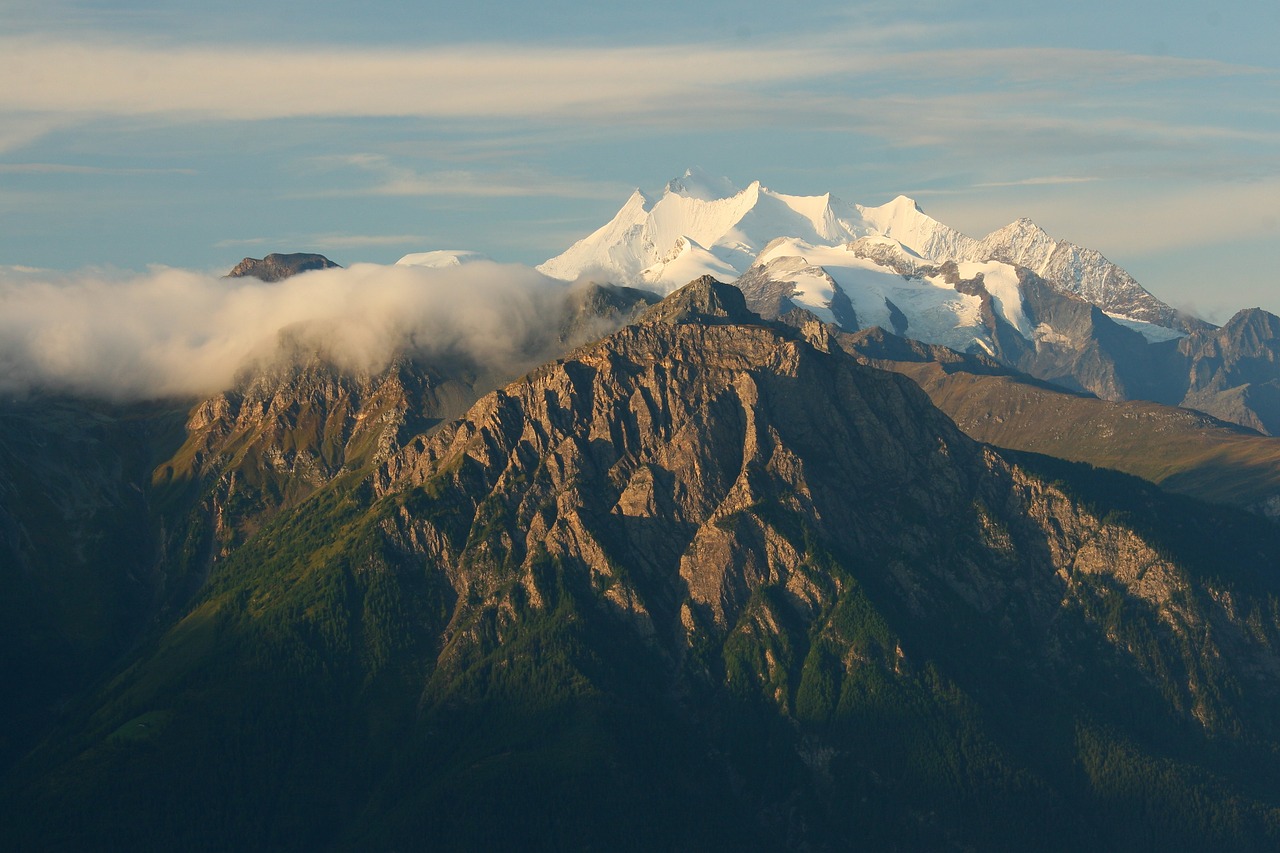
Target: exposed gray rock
(277, 267)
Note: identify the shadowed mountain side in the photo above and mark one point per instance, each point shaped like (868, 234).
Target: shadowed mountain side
(80, 567)
(1235, 371)
(113, 516)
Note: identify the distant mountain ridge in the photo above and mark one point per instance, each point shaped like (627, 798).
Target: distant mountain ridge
(1177, 448)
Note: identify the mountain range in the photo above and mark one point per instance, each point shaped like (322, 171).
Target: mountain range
(707, 226)
(1046, 307)
(897, 544)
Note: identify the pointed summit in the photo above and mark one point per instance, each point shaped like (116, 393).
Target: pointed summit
(903, 201)
(696, 183)
(703, 300)
(441, 258)
(1074, 269)
(1253, 329)
(903, 220)
(1024, 228)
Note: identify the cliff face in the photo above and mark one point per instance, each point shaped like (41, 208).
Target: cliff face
(296, 422)
(708, 581)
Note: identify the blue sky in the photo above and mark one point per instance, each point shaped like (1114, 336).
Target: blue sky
(192, 134)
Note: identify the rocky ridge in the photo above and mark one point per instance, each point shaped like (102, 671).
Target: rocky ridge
(277, 267)
(1078, 270)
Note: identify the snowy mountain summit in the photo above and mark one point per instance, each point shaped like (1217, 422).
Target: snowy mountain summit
(706, 225)
(441, 258)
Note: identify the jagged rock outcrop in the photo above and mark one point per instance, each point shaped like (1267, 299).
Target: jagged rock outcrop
(296, 421)
(1234, 372)
(277, 267)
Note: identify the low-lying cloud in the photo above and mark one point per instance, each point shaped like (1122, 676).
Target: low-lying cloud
(174, 332)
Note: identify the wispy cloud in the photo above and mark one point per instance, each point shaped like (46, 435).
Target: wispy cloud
(324, 241)
(1049, 180)
(49, 75)
(18, 129)
(393, 179)
(1059, 65)
(96, 78)
(74, 169)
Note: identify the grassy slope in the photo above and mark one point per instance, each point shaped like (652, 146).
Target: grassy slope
(1180, 450)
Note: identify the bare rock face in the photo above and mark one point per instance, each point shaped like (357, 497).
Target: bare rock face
(703, 472)
(276, 267)
(295, 421)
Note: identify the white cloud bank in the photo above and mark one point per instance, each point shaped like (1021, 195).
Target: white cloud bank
(178, 333)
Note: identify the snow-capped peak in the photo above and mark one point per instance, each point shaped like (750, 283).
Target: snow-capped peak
(1020, 242)
(441, 258)
(724, 229)
(904, 221)
(695, 183)
(902, 202)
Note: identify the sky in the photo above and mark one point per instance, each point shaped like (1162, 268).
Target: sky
(140, 133)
